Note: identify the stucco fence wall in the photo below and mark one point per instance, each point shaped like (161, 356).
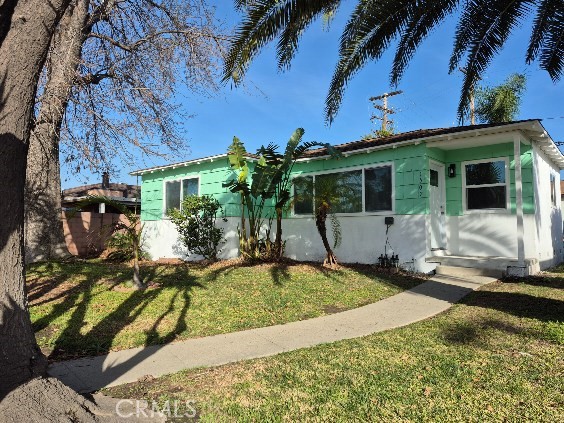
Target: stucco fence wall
(86, 233)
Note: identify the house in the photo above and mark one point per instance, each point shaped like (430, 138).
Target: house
(471, 196)
(87, 231)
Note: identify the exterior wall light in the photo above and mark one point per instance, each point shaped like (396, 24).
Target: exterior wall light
(451, 170)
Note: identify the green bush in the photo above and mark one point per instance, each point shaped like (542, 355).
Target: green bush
(195, 222)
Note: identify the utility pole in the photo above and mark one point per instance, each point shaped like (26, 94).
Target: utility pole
(472, 107)
(384, 108)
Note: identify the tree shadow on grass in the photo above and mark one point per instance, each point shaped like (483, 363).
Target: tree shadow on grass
(399, 279)
(73, 341)
(477, 327)
(518, 304)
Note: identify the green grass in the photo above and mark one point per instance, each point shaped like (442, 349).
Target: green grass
(82, 308)
(496, 356)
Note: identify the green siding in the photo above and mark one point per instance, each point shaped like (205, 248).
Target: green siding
(211, 174)
(411, 178)
(454, 185)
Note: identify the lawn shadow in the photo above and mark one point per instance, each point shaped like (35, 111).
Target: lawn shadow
(476, 329)
(73, 341)
(393, 277)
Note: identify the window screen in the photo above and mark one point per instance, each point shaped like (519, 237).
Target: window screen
(172, 195)
(303, 195)
(345, 189)
(486, 186)
(189, 187)
(378, 189)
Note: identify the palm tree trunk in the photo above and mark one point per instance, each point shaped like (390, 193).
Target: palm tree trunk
(137, 281)
(321, 223)
(278, 240)
(44, 238)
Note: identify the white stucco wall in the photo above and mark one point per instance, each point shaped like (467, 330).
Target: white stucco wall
(160, 240)
(489, 234)
(363, 239)
(548, 217)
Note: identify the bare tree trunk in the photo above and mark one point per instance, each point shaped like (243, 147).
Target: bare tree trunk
(23, 49)
(44, 237)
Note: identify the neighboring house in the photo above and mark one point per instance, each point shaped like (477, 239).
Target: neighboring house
(87, 231)
(481, 195)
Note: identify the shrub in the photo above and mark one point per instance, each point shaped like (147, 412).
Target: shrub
(195, 222)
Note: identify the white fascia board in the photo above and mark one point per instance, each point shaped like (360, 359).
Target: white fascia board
(175, 165)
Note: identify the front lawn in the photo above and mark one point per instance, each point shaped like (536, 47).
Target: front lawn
(497, 356)
(81, 308)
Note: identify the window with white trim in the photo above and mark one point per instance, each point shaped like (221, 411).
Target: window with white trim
(176, 191)
(486, 184)
(360, 190)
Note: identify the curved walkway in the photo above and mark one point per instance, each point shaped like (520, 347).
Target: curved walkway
(423, 301)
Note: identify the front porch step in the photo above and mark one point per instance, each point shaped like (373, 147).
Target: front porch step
(468, 271)
(478, 266)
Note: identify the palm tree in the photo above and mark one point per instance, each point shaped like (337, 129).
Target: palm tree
(500, 103)
(330, 194)
(132, 230)
(482, 29)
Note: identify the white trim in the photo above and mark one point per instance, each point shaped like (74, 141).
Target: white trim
(507, 185)
(363, 194)
(165, 181)
(519, 201)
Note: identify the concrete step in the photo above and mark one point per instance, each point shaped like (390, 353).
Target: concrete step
(468, 271)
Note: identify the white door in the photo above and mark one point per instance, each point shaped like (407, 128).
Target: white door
(437, 205)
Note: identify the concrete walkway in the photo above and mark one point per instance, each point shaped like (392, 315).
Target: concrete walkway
(423, 301)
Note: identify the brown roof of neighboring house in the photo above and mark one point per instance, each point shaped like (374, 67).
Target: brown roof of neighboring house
(112, 190)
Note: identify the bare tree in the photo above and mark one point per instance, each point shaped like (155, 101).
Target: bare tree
(113, 70)
(26, 27)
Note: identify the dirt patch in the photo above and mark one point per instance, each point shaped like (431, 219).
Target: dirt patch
(332, 309)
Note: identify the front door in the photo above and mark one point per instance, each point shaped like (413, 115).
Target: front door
(437, 206)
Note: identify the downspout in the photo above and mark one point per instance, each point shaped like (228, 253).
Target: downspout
(519, 201)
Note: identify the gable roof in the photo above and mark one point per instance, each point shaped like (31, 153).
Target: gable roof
(532, 127)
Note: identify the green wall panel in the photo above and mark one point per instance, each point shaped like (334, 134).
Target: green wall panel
(411, 178)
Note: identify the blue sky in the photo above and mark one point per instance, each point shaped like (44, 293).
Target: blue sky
(272, 104)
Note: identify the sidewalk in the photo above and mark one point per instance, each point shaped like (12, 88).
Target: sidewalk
(423, 301)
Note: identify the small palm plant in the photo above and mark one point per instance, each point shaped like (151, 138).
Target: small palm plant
(330, 194)
(131, 230)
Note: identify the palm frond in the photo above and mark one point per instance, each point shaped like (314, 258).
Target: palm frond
(237, 154)
(424, 17)
(481, 33)
(547, 38)
(369, 32)
(263, 22)
(336, 228)
(298, 19)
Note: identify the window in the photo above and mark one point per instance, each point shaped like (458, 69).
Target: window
(434, 178)
(175, 191)
(552, 190)
(378, 189)
(346, 189)
(303, 195)
(486, 185)
(353, 191)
